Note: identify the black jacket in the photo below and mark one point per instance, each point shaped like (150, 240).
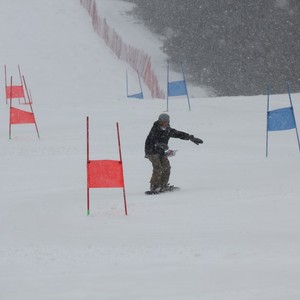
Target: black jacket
(158, 135)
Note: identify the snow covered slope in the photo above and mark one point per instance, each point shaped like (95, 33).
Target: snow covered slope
(232, 232)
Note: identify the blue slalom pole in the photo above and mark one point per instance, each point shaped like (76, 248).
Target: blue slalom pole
(267, 132)
(126, 83)
(140, 84)
(290, 97)
(168, 87)
(187, 94)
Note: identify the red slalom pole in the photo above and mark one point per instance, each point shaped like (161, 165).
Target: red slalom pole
(36, 127)
(120, 153)
(22, 84)
(10, 100)
(5, 83)
(87, 165)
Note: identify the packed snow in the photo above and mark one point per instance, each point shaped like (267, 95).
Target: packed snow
(231, 232)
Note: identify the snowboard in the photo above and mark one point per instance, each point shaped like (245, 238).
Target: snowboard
(171, 189)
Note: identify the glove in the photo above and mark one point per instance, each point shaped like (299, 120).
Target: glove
(195, 140)
(170, 153)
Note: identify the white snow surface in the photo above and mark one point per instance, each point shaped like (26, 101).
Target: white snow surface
(231, 232)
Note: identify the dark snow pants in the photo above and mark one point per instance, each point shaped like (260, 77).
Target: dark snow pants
(161, 170)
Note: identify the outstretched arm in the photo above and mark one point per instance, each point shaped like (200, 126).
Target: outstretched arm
(185, 136)
(195, 140)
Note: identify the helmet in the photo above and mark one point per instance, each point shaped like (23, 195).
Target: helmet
(164, 117)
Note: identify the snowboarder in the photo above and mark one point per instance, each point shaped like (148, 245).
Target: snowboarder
(157, 150)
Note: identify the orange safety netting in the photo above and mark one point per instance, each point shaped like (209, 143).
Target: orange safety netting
(105, 174)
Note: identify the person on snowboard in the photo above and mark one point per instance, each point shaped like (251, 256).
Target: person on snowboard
(157, 151)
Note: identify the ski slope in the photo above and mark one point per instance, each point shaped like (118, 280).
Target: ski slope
(231, 232)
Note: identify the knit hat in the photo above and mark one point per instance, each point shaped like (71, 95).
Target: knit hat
(164, 117)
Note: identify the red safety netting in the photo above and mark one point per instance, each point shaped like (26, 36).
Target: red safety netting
(135, 57)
